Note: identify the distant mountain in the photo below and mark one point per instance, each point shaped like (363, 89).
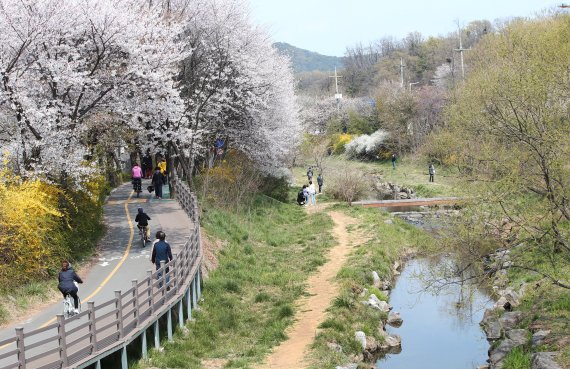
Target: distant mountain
(308, 61)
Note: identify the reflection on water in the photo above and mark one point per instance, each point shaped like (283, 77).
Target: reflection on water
(440, 331)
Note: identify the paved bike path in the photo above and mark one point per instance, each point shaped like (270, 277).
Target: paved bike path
(121, 257)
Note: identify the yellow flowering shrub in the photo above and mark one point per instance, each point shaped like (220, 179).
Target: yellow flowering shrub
(28, 214)
(339, 141)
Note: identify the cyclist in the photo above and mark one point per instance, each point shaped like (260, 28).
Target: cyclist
(137, 178)
(66, 286)
(142, 221)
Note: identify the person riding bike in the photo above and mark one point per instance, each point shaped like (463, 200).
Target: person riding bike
(142, 221)
(66, 286)
(137, 174)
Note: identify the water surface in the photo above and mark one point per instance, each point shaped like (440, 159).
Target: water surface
(438, 333)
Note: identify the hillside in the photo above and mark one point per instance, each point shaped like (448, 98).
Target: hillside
(308, 61)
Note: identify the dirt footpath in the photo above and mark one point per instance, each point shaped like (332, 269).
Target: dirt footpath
(312, 309)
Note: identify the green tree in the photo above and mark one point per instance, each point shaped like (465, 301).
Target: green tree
(510, 127)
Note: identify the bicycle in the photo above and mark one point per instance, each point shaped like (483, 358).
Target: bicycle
(69, 307)
(137, 185)
(143, 230)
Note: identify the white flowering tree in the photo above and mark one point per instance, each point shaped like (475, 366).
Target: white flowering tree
(63, 63)
(174, 75)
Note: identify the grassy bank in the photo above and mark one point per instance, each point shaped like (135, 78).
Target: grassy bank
(271, 248)
(388, 241)
(409, 172)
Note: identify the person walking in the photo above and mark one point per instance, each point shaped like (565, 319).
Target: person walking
(312, 193)
(431, 171)
(320, 182)
(147, 166)
(157, 182)
(310, 174)
(162, 166)
(394, 161)
(161, 252)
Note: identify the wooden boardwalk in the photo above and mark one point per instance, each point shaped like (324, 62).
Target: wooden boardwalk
(409, 202)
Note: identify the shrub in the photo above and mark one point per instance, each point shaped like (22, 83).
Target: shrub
(348, 185)
(367, 146)
(339, 142)
(42, 223)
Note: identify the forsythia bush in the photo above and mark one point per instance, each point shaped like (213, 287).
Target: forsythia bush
(339, 141)
(233, 182)
(28, 217)
(41, 224)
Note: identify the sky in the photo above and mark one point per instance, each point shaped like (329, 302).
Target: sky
(328, 27)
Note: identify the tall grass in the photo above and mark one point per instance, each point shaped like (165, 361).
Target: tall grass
(248, 302)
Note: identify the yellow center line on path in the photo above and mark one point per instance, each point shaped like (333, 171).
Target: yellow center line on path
(125, 255)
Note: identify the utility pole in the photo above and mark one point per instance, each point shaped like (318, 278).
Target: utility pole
(461, 50)
(337, 95)
(402, 66)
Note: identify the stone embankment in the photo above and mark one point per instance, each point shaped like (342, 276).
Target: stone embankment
(502, 322)
(388, 343)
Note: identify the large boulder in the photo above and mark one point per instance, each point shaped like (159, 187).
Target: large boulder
(376, 282)
(360, 337)
(538, 338)
(497, 355)
(510, 319)
(393, 340)
(544, 360)
(493, 330)
(519, 336)
(371, 344)
(378, 304)
(394, 319)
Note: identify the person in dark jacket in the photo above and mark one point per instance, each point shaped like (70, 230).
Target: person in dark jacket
(301, 198)
(142, 219)
(157, 182)
(66, 286)
(320, 182)
(161, 252)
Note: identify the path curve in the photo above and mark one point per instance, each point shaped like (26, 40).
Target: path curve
(120, 257)
(322, 289)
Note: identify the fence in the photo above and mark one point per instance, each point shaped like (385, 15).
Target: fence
(85, 339)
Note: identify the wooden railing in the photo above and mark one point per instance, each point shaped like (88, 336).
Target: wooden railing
(84, 339)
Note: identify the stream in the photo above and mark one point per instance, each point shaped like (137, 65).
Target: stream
(438, 332)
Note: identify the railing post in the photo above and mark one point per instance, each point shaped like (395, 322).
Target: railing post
(119, 315)
(144, 348)
(21, 348)
(181, 313)
(163, 278)
(91, 308)
(150, 291)
(189, 303)
(194, 299)
(169, 324)
(173, 282)
(124, 361)
(198, 283)
(136, 301)
(62, 343)
(156, 335)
